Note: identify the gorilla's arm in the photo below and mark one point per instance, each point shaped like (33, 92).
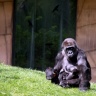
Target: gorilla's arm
(58, 62)
(84, 66)
(84, 71)
(73, 82)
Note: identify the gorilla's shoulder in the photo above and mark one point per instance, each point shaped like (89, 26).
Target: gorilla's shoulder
(59, 56)
(81, 51)
(81, 54)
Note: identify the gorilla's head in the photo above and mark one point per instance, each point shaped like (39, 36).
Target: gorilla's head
(49, 73)
(69, 47)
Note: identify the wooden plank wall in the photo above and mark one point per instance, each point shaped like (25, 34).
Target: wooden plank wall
(86, 31)
(6, 10)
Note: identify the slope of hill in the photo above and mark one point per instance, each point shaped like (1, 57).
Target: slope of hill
(15, 81)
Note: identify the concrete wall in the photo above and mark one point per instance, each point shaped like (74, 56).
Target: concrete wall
(6, 10)
(86, 31)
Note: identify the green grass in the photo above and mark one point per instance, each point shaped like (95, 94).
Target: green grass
(16, 81)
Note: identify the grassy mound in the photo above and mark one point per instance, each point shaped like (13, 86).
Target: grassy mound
(16, 81)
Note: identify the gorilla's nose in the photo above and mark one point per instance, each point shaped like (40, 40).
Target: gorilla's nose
(70, 52)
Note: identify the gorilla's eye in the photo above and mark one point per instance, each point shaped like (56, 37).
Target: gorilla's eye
(71, 49)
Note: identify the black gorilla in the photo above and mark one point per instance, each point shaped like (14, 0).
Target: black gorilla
(76, 68)
(71, 71)
(50, 75)
(73, 56)
(74, 82)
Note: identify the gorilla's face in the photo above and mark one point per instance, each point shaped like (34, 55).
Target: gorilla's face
(70, 51)
(62, 79)
(49, 74)
(69, 47)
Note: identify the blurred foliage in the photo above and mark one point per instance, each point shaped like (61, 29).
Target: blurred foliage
(41, 16)
(51, 46)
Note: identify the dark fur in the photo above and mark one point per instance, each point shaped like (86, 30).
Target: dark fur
(73, 82)
(58, 62)
(73, 56)
(50, 75)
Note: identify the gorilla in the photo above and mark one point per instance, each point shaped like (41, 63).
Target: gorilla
(75, 57)
(51, 75)
(71, 67)
(71, 72)
(74, 82)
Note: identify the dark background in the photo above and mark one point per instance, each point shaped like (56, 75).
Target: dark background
(40, 27)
